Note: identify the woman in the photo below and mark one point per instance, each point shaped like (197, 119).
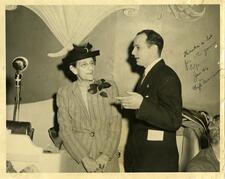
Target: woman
(89, 123)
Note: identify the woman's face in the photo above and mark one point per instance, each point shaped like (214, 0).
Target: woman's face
(85, 69)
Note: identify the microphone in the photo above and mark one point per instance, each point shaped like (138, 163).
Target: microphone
(20, 64)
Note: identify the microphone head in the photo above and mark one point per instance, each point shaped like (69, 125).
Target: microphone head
(20, 63)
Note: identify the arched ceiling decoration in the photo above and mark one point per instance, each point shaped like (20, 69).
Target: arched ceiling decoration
(186, 12)
(71, 24)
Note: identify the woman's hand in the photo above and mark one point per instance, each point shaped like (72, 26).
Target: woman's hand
(102, 161)
(89, 164)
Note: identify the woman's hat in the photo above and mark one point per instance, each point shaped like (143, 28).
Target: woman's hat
(79, 53)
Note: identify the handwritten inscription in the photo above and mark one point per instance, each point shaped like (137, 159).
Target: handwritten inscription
(193, 62)
(201, 82)
(201, 44)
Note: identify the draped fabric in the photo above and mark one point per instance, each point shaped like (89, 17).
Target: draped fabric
(71, 24)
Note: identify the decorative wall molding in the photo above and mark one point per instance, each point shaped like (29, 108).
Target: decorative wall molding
(10, 7)
(131, 11)
(71, 24)
(184, 12)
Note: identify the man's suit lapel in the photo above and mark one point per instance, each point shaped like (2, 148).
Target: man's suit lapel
(149, 77)
(139, 83)
(80, 102)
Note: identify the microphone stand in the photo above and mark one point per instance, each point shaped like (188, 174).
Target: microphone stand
(18, 77)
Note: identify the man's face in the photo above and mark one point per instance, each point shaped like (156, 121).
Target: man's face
(85, 69)
(142, 50)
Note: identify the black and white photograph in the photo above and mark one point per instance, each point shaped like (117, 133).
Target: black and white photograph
(127, 88)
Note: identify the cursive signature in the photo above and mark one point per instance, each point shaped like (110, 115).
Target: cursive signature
(188, 52)
(209, 47)
(195, 61)
(199, 83)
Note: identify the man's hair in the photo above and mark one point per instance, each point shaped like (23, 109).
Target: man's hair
(153, 38)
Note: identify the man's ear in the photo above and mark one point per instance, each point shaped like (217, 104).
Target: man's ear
(154, 49)
(73, 69)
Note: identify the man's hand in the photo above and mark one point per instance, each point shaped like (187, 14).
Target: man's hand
(89, 164)
(102, 161)
(133, 101)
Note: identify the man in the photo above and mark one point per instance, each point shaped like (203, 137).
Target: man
(89, 124)
(158, 104)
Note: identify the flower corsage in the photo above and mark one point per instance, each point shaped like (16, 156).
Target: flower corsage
(98, 87)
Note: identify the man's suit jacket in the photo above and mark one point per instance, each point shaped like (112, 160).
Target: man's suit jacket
(88, 132)
(161, 111)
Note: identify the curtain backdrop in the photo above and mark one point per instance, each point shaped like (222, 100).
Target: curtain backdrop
(71, 24)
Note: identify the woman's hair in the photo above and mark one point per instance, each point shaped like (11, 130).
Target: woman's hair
(214, 130)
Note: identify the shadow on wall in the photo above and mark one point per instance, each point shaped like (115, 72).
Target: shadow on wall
(126, 113)
(132, 62)
(55, 109)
